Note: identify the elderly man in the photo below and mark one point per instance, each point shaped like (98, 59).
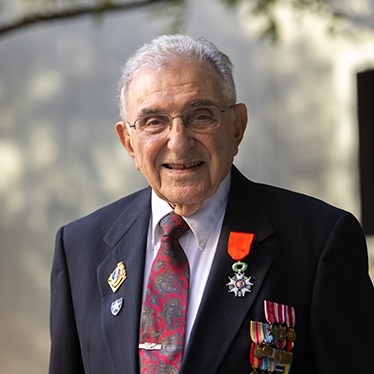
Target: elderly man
(205, 271)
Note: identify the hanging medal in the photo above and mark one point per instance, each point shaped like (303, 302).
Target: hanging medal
(254, 359)
(272, 342)
(239, 247)
(282, 318)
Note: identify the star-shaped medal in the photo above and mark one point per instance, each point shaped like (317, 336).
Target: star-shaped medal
(239, 284)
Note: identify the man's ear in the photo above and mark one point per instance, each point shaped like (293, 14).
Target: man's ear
(124, 137)
(241, 120)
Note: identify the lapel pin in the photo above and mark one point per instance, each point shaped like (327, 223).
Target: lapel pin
(116, 306)
(117, 277)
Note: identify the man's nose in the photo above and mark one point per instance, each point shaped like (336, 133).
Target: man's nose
(180, 137)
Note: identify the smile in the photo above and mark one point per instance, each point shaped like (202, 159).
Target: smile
(183, 166)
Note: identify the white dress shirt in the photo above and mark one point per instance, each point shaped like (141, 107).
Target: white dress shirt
(199, 243)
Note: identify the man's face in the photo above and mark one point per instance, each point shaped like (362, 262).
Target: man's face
(184, 168)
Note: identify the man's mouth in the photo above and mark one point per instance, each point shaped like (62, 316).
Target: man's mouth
(183, 166)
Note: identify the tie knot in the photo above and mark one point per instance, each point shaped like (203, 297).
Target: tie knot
(173, 225)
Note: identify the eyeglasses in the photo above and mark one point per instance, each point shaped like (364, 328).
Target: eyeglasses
(200, 119)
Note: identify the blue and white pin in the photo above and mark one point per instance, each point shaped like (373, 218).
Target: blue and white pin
(116, 306)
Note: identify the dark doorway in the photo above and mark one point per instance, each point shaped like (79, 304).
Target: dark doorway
(365, 97)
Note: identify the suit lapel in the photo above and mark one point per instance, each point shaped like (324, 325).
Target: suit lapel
(221, 313)
(127, 238)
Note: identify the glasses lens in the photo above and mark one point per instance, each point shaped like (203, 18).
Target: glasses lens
(153, 124)
(202, 118)
(196, 119)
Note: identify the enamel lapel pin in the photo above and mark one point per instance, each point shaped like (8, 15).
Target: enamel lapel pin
(117, 277)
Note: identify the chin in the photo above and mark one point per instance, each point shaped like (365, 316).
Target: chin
(188, 199)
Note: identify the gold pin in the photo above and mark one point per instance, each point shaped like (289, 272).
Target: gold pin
(117, 277)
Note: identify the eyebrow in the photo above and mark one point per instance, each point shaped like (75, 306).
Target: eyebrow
(191, 104)
(202, 102)
(155, 110)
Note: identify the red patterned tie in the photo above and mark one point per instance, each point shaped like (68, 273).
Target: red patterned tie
(164, 310)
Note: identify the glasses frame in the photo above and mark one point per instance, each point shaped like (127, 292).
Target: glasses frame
(162, 135)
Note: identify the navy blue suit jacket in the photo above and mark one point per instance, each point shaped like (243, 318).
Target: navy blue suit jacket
(306, 254)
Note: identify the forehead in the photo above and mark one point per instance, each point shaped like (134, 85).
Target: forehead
(173, 87)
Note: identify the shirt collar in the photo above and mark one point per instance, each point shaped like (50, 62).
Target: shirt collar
(209, 213)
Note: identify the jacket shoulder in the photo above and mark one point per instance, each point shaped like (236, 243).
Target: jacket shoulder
(283, 204)
(297, 201)
(104, 217)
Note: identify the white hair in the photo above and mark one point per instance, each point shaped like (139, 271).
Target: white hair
(161, 50)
